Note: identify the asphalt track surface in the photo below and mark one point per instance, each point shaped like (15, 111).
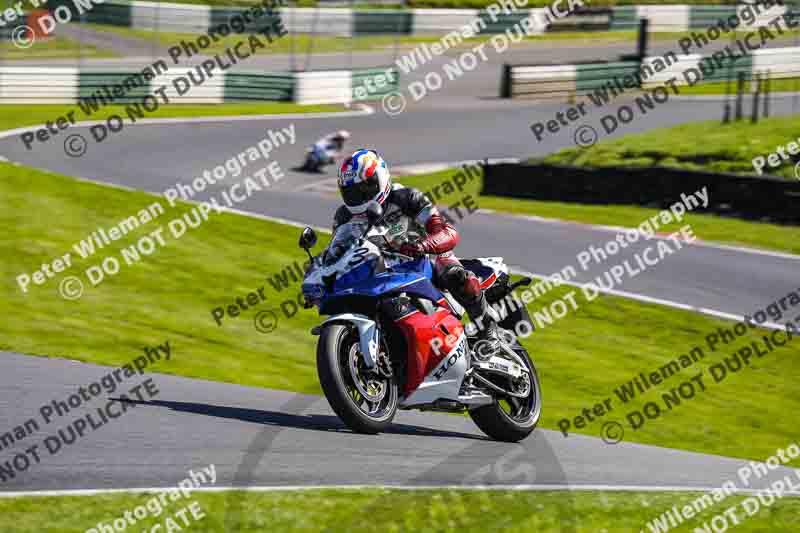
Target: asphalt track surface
(258, 437)
(262, 437)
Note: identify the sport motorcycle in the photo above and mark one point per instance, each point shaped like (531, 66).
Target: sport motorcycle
(392, 340)
(316, 159)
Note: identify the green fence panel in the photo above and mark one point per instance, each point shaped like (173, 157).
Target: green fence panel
(223, 15)
(705, 16)
(114, 87)
(116, 14)
(371, 84)
(113, 14)
(265, 87)
(503, 22)
(377, 22)
(729, 70)
(590, 76)
(7, 31)
(624, 18)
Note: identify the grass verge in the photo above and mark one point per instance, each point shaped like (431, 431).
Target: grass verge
(784, 85)
(301, 43)
(169, 295)
(707, 227)
(55, 48)
(21, 115)
(446, 511)
(725, 148)
(292, 43)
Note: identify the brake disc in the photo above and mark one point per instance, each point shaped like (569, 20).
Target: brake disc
(371, 389)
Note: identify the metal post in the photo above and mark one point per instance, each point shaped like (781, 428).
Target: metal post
(728, 85)
(756, 107)
(767, 93)
(740, 96)
(644, 25)
(726, 116)
(505, 81)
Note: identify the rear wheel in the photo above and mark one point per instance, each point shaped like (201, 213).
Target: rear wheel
(364, 399)
(511, 418)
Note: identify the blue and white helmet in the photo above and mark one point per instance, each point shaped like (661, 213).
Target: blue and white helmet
(364, 178)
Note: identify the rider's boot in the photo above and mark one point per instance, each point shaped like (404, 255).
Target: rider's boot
(482, 317)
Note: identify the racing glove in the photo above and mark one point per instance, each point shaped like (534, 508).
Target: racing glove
(441, 238)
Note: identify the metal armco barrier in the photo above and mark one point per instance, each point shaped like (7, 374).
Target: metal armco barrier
(568, 81)
(730, 195)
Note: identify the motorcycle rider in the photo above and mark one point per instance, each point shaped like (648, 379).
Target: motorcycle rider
(331, 147)
(364, 178)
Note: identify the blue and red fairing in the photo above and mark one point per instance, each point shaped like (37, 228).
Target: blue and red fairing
(413, 277)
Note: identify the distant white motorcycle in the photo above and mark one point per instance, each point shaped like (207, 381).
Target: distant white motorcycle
(316, 159)
(325, 151)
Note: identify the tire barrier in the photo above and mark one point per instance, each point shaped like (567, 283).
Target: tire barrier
(763, 199)
(38, 85)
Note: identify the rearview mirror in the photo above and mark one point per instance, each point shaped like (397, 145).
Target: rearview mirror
(308, 239)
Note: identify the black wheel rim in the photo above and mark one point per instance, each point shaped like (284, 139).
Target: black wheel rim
(374, 396)
(523, 411)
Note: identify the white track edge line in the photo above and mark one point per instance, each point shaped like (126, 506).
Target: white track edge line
(307, 488)
(617, 229)
(653, 300)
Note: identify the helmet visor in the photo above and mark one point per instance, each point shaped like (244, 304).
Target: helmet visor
(360, 193)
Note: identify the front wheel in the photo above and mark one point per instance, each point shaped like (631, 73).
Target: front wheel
(509, 418)
(365, 400)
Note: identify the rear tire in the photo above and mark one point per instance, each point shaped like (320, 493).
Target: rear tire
(498, 424)
(334, 350)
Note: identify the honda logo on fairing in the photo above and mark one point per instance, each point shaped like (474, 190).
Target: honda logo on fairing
(457, 354)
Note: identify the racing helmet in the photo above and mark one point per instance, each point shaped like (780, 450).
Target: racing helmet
(342, 134)
(364, 178)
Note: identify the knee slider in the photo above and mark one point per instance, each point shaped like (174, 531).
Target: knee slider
(462, 283)
(472, 286)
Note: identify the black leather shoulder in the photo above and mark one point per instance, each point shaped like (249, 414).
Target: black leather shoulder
(410, 201)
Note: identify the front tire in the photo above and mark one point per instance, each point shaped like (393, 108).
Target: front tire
(510, 419)
(366, 403)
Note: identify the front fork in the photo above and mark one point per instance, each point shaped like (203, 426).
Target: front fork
(368, 335)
